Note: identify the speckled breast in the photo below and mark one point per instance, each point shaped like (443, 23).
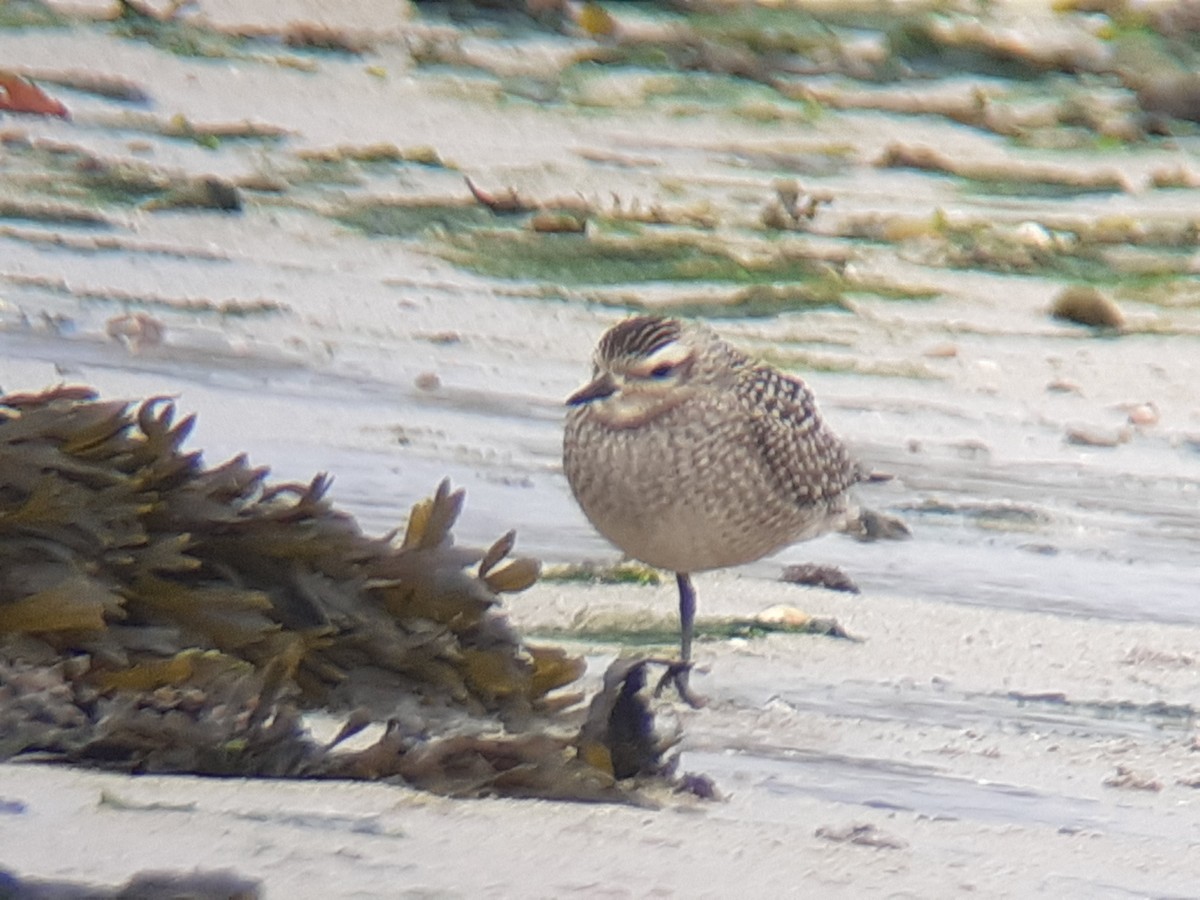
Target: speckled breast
(687, 492)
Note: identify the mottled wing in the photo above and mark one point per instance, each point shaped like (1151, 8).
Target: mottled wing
(802, 454)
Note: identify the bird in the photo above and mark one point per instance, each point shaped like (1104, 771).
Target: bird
(689, 456)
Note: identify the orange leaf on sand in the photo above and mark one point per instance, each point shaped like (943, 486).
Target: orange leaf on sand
(18, 94)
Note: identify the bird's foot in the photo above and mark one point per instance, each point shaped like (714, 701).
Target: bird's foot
(677, 674)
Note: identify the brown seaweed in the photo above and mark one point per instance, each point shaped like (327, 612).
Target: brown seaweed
(160, 615)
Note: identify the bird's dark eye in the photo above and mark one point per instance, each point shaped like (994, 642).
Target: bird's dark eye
(663, 371)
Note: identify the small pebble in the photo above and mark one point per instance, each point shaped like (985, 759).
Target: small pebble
(1087, 306)
(942, 351)
(1095, 436)
(1064, 386)
(1142, 415)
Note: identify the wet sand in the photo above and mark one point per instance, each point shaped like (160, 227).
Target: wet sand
(1018, 719)
(954, 750)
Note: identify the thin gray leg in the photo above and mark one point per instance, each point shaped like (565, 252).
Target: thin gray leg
(677, 673)
(687, 614)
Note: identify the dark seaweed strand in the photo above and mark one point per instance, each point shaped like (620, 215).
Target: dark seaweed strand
(639, 337)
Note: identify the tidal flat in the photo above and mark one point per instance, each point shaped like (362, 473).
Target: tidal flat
(380, 241)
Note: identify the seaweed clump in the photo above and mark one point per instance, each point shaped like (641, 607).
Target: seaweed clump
(159, 615)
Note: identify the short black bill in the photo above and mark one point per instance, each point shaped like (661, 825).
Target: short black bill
(597, 389)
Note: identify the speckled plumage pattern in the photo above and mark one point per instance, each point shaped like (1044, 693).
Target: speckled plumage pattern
(724, 463)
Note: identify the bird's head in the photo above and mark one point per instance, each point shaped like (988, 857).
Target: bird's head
(647, 365)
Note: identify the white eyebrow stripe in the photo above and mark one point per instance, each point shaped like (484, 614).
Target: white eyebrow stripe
(671, 354)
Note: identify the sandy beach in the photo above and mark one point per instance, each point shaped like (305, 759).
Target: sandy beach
(953, 751)
(1015, 716)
